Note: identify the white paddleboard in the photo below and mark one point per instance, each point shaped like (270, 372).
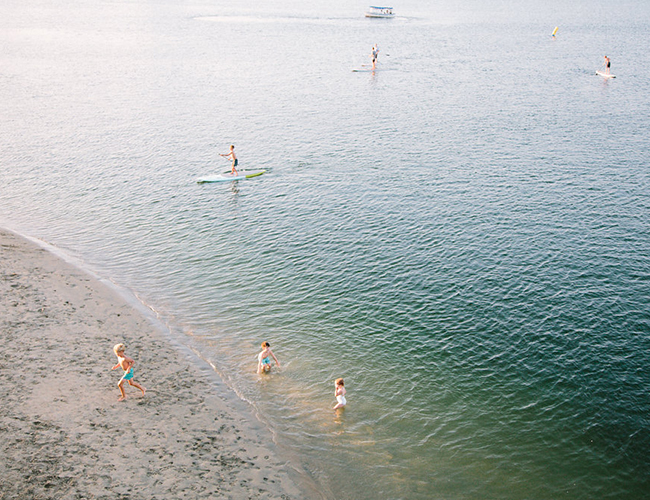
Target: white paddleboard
(229, 177)
(605, 75)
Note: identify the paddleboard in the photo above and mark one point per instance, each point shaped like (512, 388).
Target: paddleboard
(228, 177)
(365, 70)
(605, 75)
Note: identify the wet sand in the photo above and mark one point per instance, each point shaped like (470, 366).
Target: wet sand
(63, 433)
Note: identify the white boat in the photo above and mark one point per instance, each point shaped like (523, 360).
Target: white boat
(380, 12)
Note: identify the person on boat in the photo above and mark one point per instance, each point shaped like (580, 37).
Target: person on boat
(232, 156)
(375, 56)
(608, 64)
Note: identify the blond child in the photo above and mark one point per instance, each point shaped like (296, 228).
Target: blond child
(339, 393)
(264, 358)
(126, 363)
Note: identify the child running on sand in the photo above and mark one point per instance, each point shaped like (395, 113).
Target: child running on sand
(264, 358)
(126, 363)
(339, 394)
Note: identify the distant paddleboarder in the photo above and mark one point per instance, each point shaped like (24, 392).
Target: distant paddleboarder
(607, 65)
(375, 56)
(232, 156)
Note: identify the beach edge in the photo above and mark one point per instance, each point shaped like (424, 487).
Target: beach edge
(63, 432)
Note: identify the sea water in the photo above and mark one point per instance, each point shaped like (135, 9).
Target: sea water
(463, 235)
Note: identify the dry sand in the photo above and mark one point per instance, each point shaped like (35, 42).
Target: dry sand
(64, 435)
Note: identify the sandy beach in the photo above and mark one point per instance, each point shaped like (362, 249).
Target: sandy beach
(63, 433)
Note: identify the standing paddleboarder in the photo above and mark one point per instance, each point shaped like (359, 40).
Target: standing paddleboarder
(233, 157)
(607, 65)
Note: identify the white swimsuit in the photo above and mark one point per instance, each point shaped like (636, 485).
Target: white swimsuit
(341, 400)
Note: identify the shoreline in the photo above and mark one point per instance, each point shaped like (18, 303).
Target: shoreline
(63, 432)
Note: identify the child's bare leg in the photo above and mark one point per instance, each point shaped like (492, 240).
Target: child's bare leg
(338, 405)
(120, 386)
(135, 384)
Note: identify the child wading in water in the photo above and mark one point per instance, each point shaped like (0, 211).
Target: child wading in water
(339, 394)
(126, 363)
(264, 358)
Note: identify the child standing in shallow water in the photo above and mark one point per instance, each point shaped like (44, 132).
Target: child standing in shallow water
(126, 363)
(339, 394)
(264, 358)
